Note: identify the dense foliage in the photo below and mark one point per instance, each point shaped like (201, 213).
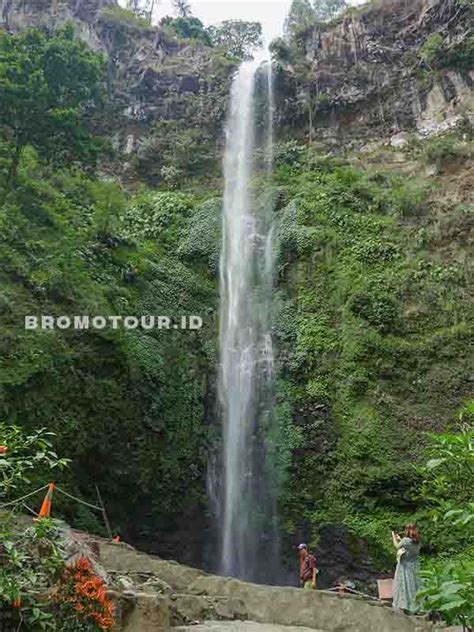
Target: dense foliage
(368, 342)
(188, 28)
(37, 590)
(80, 595)
(449, 481)
(129, 406)
(306, 13)
(48, 86)
(239, 37)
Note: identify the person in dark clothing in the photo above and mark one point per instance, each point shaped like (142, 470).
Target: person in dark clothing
(308, 569)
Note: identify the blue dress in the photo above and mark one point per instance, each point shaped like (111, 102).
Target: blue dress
(406, 582)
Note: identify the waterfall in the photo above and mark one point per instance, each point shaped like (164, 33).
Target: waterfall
(246, 381)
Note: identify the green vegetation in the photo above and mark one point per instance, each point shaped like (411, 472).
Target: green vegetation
(132, 17)
(238, 37)
(31, 553)
(304, 14)
(449, 480)
(439, 52)
(381, 323)
(128, 406)
(373, 317)
(188, 28)
(24, 455)
(174, 151)
(48, 86)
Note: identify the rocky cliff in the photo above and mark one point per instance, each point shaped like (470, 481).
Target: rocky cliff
(382, 69)
(152, 75)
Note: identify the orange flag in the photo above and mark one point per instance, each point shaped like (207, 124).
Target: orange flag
(45, 510)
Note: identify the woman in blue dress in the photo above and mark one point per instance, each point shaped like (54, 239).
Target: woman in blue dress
(406, 582)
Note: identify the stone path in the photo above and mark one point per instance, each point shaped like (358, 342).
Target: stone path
(171, 596)
(241, 626)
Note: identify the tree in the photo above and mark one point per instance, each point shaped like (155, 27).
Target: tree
(23, 455)
(182, 8)
(188, 28)
(142, 8)
(305, 13)
(240, 37)
(300, 17)
(328, 9)
(48, 87)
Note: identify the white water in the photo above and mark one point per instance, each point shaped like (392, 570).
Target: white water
(247, 508)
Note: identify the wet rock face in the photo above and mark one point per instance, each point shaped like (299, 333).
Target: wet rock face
(366, 76)
(341, 556)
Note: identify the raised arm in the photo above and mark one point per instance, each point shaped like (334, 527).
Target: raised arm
(395, 539)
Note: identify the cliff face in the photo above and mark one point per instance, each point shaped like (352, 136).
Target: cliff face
(153, 76)
(19, 14)
(372, 330)
(368, 75)
(365, 77)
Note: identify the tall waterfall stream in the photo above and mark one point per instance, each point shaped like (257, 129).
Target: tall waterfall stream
(247, 499)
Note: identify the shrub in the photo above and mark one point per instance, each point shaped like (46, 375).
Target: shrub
(23, 455)
(81, 596)
(188, 28)
(439, 53)
(116, 13)
(201, 243)
(189, 151)
(449, 480)
(431, 48)
(152, 215)
(379, 308)
(442, 150)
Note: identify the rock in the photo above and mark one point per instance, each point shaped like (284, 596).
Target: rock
(152, 76)
(189, 608)
(125, 583)
(241, 626)
(150, 614)
(400, 140)
(74, 545)
(365, 69)
(156, 585)
(199, 595)
(230, 609)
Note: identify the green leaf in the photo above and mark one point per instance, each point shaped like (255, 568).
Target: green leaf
(452, 605)
(433, 463)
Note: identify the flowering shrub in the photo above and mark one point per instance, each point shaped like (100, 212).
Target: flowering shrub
(81, 596)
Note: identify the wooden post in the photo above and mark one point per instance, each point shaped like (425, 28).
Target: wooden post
(104, 513)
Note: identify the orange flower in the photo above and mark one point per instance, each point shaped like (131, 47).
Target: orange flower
(16, 603)
(84, 592)
(3, 449)
(83, 564)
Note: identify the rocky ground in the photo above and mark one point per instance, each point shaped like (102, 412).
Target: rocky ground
(154, 594)
(241, 626)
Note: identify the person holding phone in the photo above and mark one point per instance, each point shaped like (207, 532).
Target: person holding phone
(406, 583)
